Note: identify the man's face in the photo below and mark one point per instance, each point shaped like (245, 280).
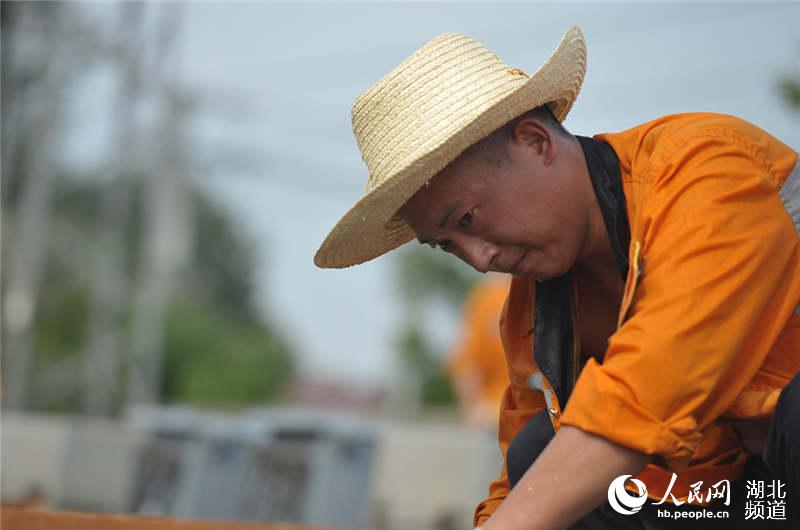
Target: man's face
(524, 217)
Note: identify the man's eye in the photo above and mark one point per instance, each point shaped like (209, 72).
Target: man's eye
(466, 219)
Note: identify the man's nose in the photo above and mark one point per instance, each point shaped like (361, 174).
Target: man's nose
(476, 252)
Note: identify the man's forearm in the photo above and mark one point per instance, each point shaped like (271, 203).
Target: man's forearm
(568, 480)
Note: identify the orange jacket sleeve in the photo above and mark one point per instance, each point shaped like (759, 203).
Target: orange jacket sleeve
(719, 281)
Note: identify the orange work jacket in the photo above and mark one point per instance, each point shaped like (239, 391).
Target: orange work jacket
(709, 325)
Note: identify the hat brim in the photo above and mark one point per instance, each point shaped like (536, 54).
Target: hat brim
(372, 227)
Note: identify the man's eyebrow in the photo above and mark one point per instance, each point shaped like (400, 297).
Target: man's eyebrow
(447, 213)
(443, 222)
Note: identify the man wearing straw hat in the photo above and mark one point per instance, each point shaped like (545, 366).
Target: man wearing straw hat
(652, 327)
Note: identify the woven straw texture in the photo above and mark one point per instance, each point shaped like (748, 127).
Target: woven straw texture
(417, 119)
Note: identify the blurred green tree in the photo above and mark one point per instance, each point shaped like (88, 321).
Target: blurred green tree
(789, 88)
(213, 359)
(791, 92)
(426, 276)
(218, 350)
(420, 357)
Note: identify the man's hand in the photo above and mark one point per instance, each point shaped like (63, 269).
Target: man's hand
(568, 480)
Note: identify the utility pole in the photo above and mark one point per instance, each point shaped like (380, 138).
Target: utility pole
(109, 283)
(31, 151)
(166, 230)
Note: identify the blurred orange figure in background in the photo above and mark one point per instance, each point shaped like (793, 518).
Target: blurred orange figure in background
(477, 365)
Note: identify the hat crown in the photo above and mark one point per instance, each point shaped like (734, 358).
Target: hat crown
(441, 87)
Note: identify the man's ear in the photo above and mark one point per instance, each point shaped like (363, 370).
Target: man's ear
(532, 133)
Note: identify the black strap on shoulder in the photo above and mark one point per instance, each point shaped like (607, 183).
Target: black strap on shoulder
(603, 165)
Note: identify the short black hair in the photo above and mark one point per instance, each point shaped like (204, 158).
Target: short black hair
(493, 148)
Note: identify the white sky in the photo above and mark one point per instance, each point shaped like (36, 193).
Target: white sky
(292, 72)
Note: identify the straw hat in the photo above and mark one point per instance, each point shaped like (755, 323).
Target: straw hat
(411, 124)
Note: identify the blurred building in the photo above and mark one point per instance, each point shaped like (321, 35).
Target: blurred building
(289, 464)
(336, 396)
